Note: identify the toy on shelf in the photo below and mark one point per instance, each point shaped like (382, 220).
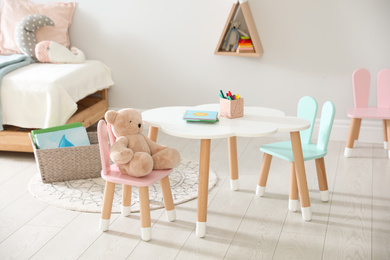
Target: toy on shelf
(245, 45)
(233, 37)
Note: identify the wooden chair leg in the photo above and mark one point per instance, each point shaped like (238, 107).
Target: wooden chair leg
(293, 197)
(146, 233)
(388, 136)
(168, 201)
(264, 170)
(322, 181)
(353, 133)
(300, 172)
(357, 132)
(126, 200)
(107, 206)
(385, 135)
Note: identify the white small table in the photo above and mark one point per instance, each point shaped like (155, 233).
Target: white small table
(256, 122)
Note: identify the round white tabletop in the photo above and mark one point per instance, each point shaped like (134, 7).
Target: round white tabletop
(256, 122)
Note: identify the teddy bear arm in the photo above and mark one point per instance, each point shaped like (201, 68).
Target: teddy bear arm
(119, 152)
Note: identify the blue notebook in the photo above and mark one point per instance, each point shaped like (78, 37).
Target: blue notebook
(62, 138)
(200, 116)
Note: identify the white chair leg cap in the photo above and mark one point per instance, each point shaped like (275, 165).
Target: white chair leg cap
(260, 191)
(125, 211)
(348, 152)
(306, 213)
(324, 194)
(146, 233)
(171, 215)
(234, 184)
(293, 205)
(385, 145)
(103, 224)
(200, 229)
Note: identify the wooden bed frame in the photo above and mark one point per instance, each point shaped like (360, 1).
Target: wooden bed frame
(90, 110)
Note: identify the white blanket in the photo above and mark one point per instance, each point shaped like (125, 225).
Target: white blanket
(43, 95)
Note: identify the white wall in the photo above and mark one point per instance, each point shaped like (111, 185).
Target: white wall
(161, 52)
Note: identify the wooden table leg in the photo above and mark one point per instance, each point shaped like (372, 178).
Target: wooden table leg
(301, 175)
(233, 164)
(353, 134)
(153, 131)
(203, 187)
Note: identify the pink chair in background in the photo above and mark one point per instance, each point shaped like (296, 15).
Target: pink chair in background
(110, 173)
(361, 87)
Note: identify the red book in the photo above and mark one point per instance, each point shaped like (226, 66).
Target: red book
(244, 41)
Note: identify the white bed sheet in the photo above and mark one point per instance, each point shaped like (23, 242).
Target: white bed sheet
(43, 95)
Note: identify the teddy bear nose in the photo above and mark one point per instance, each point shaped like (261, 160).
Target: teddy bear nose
(139, 125)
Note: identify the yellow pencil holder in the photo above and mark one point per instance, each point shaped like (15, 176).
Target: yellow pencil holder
(231, 108)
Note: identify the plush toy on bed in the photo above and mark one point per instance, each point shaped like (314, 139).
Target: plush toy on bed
(44, 51)
(134, 153)
(52, 52)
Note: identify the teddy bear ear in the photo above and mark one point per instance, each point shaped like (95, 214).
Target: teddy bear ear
(110, 116)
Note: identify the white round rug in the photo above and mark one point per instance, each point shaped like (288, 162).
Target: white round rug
(87, 195)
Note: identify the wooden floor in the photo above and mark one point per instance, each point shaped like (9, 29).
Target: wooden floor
(354, 224)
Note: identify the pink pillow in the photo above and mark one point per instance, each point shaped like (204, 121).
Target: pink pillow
(12, 11)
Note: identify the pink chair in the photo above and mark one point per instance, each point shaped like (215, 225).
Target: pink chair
(361, 87)
(111, 174)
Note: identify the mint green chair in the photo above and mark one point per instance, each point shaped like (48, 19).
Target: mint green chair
(307, 108)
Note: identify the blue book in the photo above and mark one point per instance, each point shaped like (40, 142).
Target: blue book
(54, 128)
(76, 136)
(200, 116)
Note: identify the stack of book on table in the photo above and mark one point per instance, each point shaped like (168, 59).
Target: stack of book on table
(201, 116)
(60, 136)
(245, 45)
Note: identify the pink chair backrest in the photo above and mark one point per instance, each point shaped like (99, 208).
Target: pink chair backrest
(383, 82)
(111, 134)
(361, 87)
(104, 146)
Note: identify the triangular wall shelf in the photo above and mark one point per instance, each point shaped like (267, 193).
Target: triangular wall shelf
(241, 11)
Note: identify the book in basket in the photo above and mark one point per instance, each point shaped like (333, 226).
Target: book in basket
(61, 136)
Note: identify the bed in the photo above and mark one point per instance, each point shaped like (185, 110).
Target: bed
(42, 95)
(36, 93)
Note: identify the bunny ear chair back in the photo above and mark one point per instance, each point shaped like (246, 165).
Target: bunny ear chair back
(307, 109)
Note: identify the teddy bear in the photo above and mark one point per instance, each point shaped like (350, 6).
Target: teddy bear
(133, 152)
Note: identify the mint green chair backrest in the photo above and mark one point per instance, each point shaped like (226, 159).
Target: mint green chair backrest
(307, 109)
(326, 123)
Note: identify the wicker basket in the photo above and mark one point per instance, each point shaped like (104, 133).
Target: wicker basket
(69, 163)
